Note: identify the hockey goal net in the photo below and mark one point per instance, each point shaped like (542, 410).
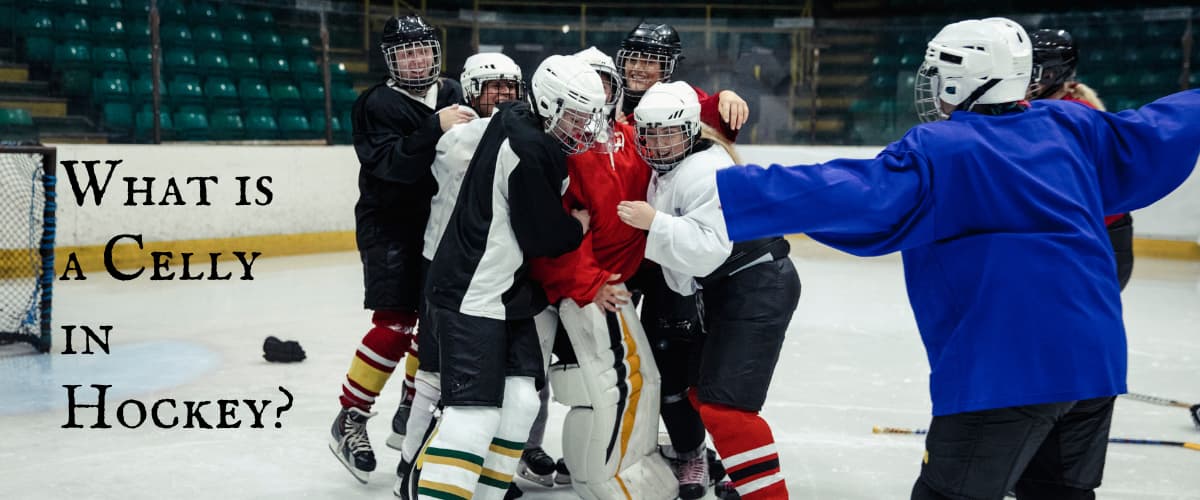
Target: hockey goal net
(26, 243)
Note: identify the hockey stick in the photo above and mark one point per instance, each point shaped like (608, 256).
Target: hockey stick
(1145, 398)
(1182, 444)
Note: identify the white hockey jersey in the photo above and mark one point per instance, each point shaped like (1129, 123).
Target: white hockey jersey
(688, 236)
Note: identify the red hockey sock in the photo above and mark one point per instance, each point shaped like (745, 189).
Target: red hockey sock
(747, 449)
(381, 350)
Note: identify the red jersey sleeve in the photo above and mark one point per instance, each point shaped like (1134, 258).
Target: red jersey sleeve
(576, 274)
(710, 113)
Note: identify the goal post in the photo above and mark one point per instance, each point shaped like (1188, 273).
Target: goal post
(27, 227)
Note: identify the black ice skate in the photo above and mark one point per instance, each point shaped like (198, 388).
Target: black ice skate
(561, 474)
(691, 469)
(537, 467)
(348, 442)
(399, 426)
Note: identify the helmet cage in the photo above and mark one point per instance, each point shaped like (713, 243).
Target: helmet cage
(413, 65)
(574, 129)
(663, 147)
(925, 94)
(665, 63)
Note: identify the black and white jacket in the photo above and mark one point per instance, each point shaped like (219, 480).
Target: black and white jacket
(509, 209)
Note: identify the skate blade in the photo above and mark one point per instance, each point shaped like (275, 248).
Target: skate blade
(360, 475)
(544, 480)
(396, 441)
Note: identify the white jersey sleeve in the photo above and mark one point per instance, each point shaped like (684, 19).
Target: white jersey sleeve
(688, 236)
(453, 154)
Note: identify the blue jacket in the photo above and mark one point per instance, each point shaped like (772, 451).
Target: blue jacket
(1000, 221)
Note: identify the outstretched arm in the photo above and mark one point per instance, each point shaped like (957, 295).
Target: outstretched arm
(1145, 154)
(864, 207)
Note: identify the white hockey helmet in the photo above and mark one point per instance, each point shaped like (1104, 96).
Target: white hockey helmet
(481, 68)
(569, 97)
(971, 62)
(607, 69)
(668, 124)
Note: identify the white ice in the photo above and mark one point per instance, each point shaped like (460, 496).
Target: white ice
(852, 360)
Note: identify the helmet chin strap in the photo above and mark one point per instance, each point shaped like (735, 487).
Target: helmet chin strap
(970, 100)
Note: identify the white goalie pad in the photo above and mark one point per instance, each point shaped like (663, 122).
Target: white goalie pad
(610, 436)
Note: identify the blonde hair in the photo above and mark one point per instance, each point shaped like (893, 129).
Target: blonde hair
(707, 132)
(1085, 93)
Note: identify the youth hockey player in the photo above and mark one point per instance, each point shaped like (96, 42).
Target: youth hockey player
(396, 125)
(480, 301)
(608, 376)
(749, 289)
(1055, 58)
(648, 55)
(488, 79)
(998, 211)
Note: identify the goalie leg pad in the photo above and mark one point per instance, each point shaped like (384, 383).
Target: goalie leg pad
(610, 434)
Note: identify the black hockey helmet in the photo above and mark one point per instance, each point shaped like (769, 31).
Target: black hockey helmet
(653, 38)
(412, 52)
(1055, 57)
(647, 44)
(410, 28)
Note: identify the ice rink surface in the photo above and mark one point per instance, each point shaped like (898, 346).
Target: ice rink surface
(852, 360)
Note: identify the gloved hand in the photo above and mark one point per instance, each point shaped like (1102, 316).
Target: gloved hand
(278, 351)
(1195, 409)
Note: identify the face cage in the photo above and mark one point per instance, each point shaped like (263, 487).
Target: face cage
(397, 57)
(476, 93)
(674, 136)
(1046, 79)
(575, 130)
(925, 94)
(665, 63)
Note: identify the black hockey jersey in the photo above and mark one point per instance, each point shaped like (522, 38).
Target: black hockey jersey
(509, 209)
(394, 138)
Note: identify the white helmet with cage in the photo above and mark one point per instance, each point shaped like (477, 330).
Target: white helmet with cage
(566, 92)
(484, 67)
(668, 124)
(604, 66)
(971, 62)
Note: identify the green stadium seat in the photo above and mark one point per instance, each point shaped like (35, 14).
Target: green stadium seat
(238, 39)
(185, 89)
(74, 5)
(179, 59)
(911, 60)
(220, 91)
(305, 67)
(297, 44)
(347, 127)
(275, 66)
(140, 59)
(344, 95)
(231, 14)
(884, 82)
(227, 124)
(143, 89)
(260, 18)
(108, 7)
(261, 124)
(253, 92)
(111, 86)
(313, 94)
(213, 62)
(109, 57)
(202, 13)
(38, 28)
(1124, 104)
(1195, 79)
(1096, 58)
(284, 94)
(175, 35)
(294, 125)
(35, 21)
(1153, 82)
(172, 10)
(73, 25)
(137, 8)
(268, 42)
(137, 32)
(73, 54)
(243, 63)
(885, 62)
(15, 119)
(316, 118)
(117, 116)
(208, 36)
(1114, 81)
(191, 123)
(143, 123)
(109, 28)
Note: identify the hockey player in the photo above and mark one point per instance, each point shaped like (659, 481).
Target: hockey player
(608, 377)
(749, 290)
(488, 79)
(998, 212)
(396, 125)
(648, 55)
(1055, 57)
(480, 301)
